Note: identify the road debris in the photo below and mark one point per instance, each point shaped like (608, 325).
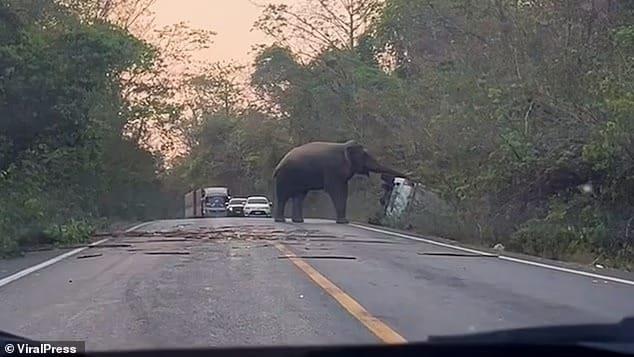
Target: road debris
(110, 245)
(167, 253)
(343, 257)
(89, 256)
(352, 240)
(241, 233)
(455, 254)
(240, 238)
(250, 246)
(131, 242)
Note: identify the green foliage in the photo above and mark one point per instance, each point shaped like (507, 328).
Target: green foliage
(576, 229)
(239, 152)
(624, 37)
(64, 162)
(72, 232)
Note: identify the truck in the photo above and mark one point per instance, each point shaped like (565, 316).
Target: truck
(207, 202)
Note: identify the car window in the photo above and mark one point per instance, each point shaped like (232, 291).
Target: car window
(257, 201)
(215, 201)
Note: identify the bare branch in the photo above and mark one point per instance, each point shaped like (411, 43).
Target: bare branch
(129, 22)
(315, 30)
(334, 16)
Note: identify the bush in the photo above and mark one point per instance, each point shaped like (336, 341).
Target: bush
(8, 246)
(540, 238)
(72, 232)
(577, 228)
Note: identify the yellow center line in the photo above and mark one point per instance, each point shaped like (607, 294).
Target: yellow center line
(384, 332)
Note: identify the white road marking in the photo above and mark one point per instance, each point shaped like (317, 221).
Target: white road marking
(137, 226)
(44, 264)
(503, 257)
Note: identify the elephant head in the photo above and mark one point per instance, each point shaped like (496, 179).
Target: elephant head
(361, 162)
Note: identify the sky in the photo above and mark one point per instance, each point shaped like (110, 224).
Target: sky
(232, 20)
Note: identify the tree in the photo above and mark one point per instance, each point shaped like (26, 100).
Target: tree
(313, 26)
(131, 15)
(157, 93)
(276, 74)
(153, 89)
(62, 109)
(217, 89)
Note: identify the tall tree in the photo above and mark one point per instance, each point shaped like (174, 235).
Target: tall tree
(312, 26)
(153, 89)
(62, 115)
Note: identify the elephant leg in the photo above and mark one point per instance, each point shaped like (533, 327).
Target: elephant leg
(298, 202)
(338, 192)
(282, 197)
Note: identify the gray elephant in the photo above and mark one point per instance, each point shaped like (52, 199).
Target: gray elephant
(322, 166)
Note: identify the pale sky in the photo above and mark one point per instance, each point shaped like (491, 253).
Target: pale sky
(232, 20)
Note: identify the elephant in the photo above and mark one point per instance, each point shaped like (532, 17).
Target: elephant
(322, 166)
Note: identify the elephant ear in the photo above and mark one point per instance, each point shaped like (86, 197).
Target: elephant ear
(355, 156)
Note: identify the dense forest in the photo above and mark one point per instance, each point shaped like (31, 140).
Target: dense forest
(518, 115)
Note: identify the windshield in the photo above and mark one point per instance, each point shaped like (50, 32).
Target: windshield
(257, 201)
(215, 201)
(399, 169)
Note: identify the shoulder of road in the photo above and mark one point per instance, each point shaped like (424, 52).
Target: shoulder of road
(449, 243)
(40, 254)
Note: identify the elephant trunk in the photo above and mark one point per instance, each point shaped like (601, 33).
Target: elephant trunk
(374, 166)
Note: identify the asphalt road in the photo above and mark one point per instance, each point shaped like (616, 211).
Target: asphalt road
(245, 282)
